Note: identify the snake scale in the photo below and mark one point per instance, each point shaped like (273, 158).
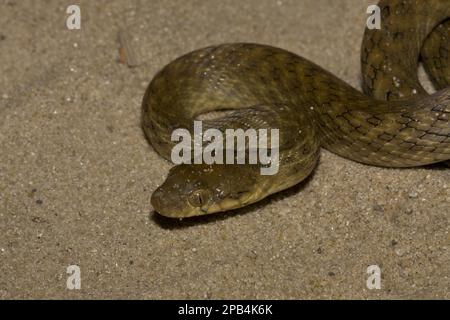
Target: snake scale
(394, 123)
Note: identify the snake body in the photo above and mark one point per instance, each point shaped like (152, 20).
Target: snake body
(394, 123)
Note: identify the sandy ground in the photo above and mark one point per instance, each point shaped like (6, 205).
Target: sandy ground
(76, 172)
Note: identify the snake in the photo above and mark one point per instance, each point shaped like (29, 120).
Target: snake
(392, 122)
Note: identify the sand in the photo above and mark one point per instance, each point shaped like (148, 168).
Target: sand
(76, 172)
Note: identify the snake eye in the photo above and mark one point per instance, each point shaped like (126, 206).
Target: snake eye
(198, 198)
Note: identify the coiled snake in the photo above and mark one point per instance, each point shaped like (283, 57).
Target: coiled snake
(394, 123)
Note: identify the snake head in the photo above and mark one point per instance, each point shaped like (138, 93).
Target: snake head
(199, 189)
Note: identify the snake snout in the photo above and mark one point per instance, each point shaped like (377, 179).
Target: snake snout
(166, 205)
(157, 200)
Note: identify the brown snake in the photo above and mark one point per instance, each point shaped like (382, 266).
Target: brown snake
(395, 123)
